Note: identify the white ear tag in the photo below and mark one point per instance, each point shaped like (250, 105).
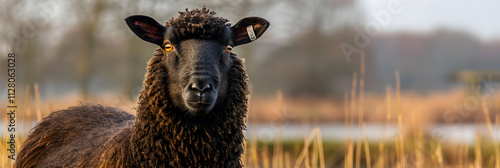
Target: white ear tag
(250, 32)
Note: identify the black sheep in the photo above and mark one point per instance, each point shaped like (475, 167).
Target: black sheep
(191, 109)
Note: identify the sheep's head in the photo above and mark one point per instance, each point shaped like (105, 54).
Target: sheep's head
(197, 47)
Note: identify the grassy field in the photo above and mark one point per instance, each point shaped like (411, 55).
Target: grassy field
(412, 147)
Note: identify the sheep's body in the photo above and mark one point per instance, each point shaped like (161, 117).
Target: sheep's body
(94, 136)
(165, 133)
(68, 137)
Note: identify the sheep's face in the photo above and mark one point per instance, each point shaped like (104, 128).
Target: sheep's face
(197, 57)
(197, 74)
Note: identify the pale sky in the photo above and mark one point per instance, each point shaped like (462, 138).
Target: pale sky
(480, 18)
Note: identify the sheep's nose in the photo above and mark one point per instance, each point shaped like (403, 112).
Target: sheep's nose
(200, 94)
(199, 85)
(200, 89)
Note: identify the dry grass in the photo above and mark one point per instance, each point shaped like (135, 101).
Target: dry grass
(411, 112)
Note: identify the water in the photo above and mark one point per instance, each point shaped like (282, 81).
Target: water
(464, 133)
(329, 131)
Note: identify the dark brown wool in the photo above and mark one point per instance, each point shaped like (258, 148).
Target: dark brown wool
(213, 139)
(161, 135)
(198, 23)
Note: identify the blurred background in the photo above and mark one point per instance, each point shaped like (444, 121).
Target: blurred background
(351, 68)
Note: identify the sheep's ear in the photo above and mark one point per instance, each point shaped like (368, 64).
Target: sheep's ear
(147, 28)
(248, 29)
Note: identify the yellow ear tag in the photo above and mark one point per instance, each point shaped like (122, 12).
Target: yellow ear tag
(251, 33)
(168, 47)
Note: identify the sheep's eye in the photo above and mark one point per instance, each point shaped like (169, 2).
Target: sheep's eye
(168, 47)
(229, 48)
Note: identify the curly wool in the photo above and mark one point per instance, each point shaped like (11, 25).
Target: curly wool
(207, 141)
(198, 23)
(161, 135)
